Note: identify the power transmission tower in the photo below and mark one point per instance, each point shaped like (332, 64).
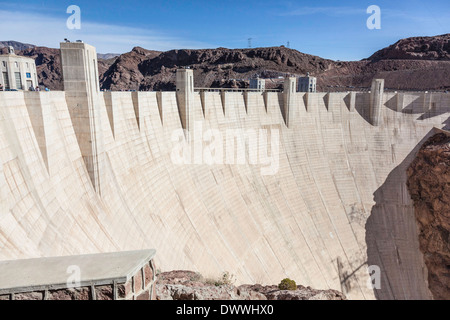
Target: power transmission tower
(249, 42)
(288, 44)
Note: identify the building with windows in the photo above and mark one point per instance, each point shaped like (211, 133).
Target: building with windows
(17, 72)
(257, 83)
(307, 84)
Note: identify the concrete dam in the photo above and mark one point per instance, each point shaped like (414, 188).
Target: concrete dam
(85, 171)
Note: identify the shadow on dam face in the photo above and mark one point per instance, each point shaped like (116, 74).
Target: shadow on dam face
(361, 103)
(392, 238)
(447, 124)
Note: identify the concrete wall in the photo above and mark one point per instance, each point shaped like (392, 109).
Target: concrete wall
(185, 95)
(81, 86)
(337, 204)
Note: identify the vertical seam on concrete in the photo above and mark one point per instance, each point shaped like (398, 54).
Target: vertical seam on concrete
(115, 295)
(93, 293)
(152, 267)
(142, 278)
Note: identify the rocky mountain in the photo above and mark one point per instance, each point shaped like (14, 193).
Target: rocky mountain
(408, 75)
(107, 56)
(420, 63)
(429, 187)
(216, 67)
(48, 66)
(125, 73)
(416, 48)
(143, 69)
(16, 45)
(188, 285)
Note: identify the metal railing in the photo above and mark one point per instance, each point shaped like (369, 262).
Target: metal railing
(235, 90)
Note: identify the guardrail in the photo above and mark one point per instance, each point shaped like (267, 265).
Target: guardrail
(236, 90)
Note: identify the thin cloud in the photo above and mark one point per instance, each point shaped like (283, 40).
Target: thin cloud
(43, 30)
(329, 11)
(348, 11)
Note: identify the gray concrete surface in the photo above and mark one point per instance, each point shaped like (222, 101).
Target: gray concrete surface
(56, 272)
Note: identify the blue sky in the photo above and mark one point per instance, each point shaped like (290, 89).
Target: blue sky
(330, 29)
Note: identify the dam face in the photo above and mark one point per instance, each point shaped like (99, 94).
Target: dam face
(335, 204)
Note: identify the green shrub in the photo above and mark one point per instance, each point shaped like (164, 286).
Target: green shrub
(287, 284)
(196, 277)
(225, 279)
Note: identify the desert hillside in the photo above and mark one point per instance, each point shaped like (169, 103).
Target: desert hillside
(418, 63)
(428, 184)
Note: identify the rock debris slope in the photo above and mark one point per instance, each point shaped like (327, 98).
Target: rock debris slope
(188, 285)
(429, 186)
